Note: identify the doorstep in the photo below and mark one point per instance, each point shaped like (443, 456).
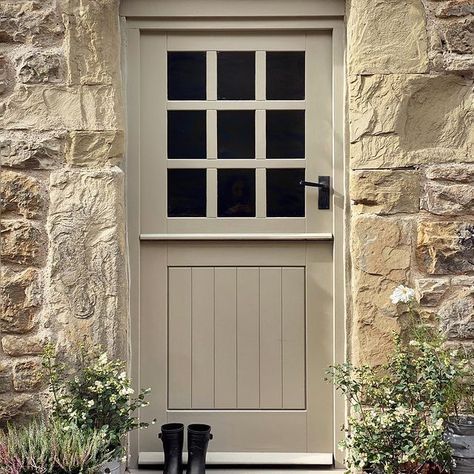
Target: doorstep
(246, 470)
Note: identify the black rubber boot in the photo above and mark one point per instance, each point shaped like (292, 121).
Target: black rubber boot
(198, 439)
(172, 435)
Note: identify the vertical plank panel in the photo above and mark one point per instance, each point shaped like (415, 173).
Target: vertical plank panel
(202, 337)
(293, 329)
(248, 328)
(225, 338)
(179, 338)
(270, 338)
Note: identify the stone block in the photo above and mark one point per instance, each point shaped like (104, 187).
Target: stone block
(382, 246)
(448, 199)
(20, 194)
(23, 345)
(457, 316)
(48, 107)
(6, 76)
(6, 379)
(93, 149)
(92, 42)
(431, 290)
(385, 192)
(27, 375)
(455, 8)
(38, 67)
(404, 120)
(35, 22)
(459, 35)
(446, 247)
(23, 242)
(21, 151)
(87, 276)
(20, 299)
(387, 36)
(13, 406)
(458, 173)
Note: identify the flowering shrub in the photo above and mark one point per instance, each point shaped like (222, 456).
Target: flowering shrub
(399, 409)
(98, 397)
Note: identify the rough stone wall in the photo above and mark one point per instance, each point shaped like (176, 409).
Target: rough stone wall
(63, 272)
(410, 69)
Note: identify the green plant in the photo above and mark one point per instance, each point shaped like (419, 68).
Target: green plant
(399, 409)
(97, 397)
(53, 447)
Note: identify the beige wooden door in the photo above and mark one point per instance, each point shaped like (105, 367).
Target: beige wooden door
(236, 260)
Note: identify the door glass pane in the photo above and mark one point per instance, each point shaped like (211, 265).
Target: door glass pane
(236, 193)
(285, 75)
(285, 195)
(186, 134)
(186, 193)
(235, 134)
(285, 134)
(187, 75)
(236, 75)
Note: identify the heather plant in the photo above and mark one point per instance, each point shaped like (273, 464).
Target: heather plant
(399, 410)
(98, 397)
(52, 447)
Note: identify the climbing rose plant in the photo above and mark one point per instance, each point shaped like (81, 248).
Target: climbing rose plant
(399, 409)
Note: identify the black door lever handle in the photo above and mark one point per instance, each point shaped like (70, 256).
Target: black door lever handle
(324, 190)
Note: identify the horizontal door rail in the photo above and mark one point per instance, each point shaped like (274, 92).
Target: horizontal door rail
(266, 237)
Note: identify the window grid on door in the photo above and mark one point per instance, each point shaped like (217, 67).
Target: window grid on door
(232, 143)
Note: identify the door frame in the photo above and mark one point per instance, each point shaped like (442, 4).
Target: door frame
(177, 15)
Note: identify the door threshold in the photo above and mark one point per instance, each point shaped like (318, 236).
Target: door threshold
(246, 470)
(246, 459)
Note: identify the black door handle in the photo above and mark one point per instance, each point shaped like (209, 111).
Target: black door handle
(324, 190)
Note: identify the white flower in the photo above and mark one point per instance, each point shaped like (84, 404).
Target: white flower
(402, 294)
(90, 403)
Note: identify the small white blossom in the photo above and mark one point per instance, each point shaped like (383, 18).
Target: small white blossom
(402, 294)
(90, 403)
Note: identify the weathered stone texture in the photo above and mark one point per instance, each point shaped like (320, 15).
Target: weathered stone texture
(87, 253)
(23, 346)
(21, 195)
(27, 375)
(404, 120)
(448, 199)
(23, 242)
(38, 67)
(96, 148)
(21, 151)
(385, 192)
(20, 300)
(457, 316)
(56, 107)
(387, 36)
(431, 290)
(446, 247)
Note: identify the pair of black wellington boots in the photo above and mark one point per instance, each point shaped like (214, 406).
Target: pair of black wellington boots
(172, 436)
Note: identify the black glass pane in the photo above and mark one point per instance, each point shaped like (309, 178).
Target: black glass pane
(236, 134)
(186, 193)
(236, 75)
(186, 134)
(285, 75)
(236, 193)
(285, 195)
(285, 133)
(187, 75)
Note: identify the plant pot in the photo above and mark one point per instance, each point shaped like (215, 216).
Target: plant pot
(113, 467)
(460, 435)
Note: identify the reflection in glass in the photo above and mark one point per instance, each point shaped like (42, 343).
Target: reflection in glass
(236, 193)
(285, 75)
(236, 75)
(285, 196)
(187, 75)
(235, 134)
(186, 134)
(186, 193)
(285, 133)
